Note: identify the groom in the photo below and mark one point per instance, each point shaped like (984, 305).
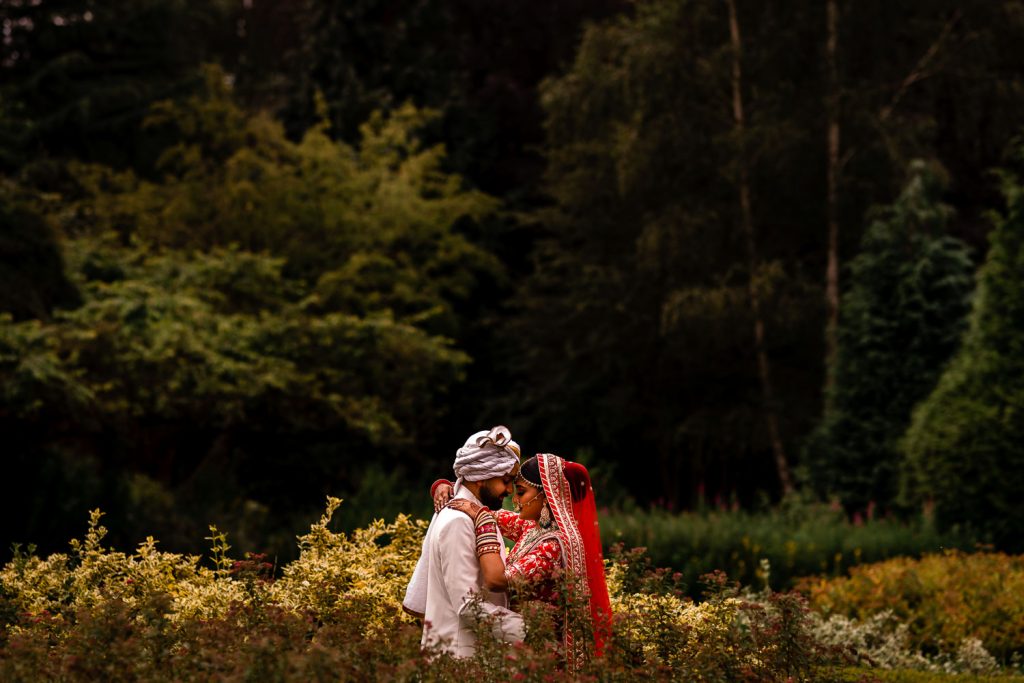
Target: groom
(447, 587)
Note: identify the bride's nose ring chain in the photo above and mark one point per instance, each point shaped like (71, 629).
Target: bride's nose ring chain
(520, 508)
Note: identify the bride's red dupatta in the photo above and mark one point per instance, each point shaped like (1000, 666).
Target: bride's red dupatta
(570, 497)
(585, 512)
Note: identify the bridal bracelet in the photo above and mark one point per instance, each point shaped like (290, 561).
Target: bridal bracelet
(487, 539)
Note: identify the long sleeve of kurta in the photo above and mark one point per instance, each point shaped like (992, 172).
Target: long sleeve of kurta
(459, 567)
(455, 575)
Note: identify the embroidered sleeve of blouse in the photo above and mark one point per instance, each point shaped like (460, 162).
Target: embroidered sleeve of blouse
(510, 525)
(538, 564)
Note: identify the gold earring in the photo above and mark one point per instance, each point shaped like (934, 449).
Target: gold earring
(545, 517)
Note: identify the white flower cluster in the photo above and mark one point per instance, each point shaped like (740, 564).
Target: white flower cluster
(883, 642)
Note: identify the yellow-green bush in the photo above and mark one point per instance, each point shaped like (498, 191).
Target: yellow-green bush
(335, 614)
(943, 598)
(368, 570)
(904, 676)
(730, 635)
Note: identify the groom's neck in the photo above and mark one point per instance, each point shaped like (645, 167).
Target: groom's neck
(473, 487)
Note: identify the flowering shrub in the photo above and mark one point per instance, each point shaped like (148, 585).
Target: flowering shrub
(334, 614)
(942, 599)
(728, 636)
(883, 642)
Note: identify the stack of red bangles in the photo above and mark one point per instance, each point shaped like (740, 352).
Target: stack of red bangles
(487, 539)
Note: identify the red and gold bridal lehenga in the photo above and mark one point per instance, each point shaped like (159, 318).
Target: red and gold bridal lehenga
(569, 547)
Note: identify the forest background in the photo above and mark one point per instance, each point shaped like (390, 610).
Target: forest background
(727, 254)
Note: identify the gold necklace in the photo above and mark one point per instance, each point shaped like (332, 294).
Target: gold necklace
(531, 539)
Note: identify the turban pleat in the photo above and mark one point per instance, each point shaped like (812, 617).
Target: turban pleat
(486, 454)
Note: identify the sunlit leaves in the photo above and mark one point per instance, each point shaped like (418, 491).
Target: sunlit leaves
(211, 337)
(312, 281)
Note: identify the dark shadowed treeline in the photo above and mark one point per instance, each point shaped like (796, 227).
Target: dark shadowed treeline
(253, 253)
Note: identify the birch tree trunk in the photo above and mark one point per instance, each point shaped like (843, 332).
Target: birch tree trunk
(747, 220)
(832, 196)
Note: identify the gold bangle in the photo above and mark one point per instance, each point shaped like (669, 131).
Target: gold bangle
(489, 549)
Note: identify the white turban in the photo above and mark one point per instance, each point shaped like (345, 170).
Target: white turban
(485, 455)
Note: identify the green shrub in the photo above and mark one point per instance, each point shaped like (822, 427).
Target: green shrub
(797, 541)
(852, 675)
(943, 599)
(334, 614)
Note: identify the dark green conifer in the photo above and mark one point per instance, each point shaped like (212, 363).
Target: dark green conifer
(902, 316)
(965, 445)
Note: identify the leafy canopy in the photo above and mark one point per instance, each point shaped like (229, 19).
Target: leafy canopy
(263, 303)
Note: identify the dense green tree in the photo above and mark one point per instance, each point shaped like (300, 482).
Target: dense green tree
(477, 62)
(965, 445)
(267, 306)
(32, 278)
(920, 79)
(639, 303)
(637, 324)
(201, 373)
(218, 341)
(631, 339)
(80, 75)
(902, 317)
(374, 224)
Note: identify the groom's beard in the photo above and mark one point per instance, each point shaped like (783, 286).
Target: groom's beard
(490, 500)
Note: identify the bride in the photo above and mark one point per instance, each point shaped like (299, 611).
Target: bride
(555, 534)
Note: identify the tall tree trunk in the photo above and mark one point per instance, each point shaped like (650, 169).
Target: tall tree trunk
(747, 220)
(835, 164)
(832, 196)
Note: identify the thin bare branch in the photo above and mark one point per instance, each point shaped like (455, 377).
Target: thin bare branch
(920, 70)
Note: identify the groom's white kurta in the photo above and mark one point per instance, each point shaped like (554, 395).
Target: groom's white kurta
(447, 577)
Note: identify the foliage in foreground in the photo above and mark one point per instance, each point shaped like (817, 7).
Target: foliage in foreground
(335, 614)
(864, 675)
(941, 599)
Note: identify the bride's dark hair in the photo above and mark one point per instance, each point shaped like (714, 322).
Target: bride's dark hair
(529, 472)
(579, 480)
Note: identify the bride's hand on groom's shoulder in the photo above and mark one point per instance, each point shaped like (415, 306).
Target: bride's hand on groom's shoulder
(442, 494)
(463, 505)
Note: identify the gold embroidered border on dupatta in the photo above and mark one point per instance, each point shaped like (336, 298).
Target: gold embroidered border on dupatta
(559, 497)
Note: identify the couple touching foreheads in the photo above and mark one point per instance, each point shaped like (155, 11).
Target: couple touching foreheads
(464, 570)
